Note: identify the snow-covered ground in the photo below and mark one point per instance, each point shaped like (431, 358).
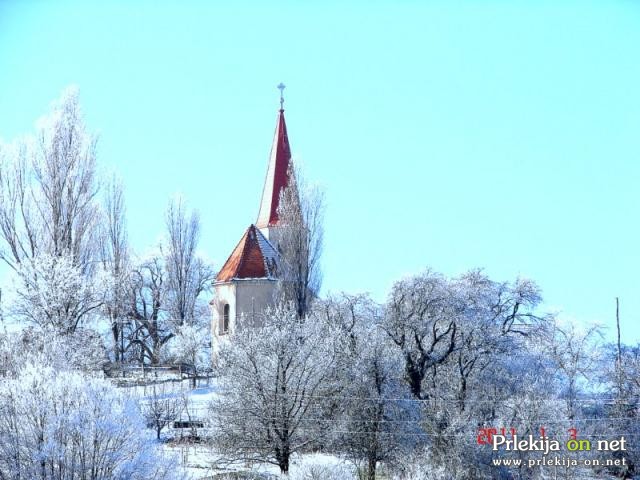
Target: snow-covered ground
(199, 465)
(199, 458)
(198, 399)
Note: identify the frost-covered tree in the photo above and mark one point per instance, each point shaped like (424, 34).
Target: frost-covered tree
(188, 275)
(455, 336)
(433, 320)
(300, 237)
(626, 374)
(493, 317)
(160, 408)
(378, 417)
(151, 328)
(53, 293)
(620, 377)
(61, 425)
(82, 350)
(167, 290)
(575, 351)
(49, 215)
(48, 190)
(116, 265)
(274, 381)
(522, 390)
(190, 347)
(422, 322)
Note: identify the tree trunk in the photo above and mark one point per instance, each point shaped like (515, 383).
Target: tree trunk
(284, 466)
(414, 378)
(116, 340)
(283, 457)
(371, 467)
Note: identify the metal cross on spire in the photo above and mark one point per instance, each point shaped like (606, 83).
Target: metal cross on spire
(281, 87)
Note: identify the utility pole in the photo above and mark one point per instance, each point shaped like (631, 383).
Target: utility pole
(619, 352)
(618, 327)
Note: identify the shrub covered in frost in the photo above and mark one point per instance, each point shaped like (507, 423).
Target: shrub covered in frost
(62, 425)
(320, 471)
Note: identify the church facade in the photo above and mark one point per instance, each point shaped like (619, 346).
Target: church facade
(246, 284)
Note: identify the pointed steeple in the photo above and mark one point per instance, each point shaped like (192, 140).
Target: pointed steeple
(277, 172)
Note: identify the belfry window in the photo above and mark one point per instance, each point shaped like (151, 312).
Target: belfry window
(225, 319)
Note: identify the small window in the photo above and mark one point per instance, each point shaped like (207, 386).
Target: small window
(225, 319)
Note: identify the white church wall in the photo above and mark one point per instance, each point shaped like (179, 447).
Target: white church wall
(247, 300)
(252, 297)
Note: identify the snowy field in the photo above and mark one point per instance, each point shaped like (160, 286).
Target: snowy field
(199, 459)
(202, 462)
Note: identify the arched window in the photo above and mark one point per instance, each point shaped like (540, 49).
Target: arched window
(225, 319)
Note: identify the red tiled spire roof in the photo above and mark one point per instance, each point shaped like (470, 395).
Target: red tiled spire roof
(253, 257)
(277, 175)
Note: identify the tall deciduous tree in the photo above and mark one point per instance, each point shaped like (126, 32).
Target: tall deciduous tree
(166, 289)
(49, 213)
(188, 275)
(151, 328)
(300, 237)
(48, 189)
(116, 265)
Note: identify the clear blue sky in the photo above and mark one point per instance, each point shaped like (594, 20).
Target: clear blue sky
(494, 134)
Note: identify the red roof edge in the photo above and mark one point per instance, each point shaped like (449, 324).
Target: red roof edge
(246, 260)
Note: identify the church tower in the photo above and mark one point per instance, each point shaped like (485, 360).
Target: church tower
(246, 283)
(277, 179)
